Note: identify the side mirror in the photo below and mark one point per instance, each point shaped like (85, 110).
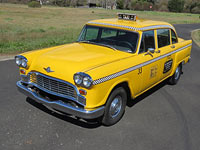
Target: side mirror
(151, 50)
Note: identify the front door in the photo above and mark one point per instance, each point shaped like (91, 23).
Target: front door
(150, 70)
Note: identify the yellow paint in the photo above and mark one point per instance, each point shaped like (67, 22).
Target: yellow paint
(98, 62)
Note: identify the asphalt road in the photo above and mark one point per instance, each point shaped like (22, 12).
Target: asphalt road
(164, 118)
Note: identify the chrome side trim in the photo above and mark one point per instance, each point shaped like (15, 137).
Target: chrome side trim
(61, 106)
(112, 76)
(57, 94)
(133, 28)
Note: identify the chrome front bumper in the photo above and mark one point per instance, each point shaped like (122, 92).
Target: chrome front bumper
(61, 106)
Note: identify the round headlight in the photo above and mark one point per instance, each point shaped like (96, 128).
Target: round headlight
(78, 79)
(24, 63)
(87, 82)
(18, 61)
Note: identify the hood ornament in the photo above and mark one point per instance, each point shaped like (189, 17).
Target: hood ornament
(48, 69)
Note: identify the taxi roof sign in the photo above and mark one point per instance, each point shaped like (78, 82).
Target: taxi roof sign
(126, 16)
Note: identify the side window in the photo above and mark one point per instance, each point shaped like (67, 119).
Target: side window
(91, 33)
(147, 41)
(163, 37)
(173, 36)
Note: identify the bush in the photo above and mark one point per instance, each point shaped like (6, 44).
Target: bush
(138, 6)
(60, 3)
(146, 5)
(34, 4)
(176, 5)
(196, 10)
(132, 4)
(192, 4)
(120, 4)
(163, 8)
(156, 7)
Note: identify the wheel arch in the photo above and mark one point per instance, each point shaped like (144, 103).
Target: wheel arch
(126, 86)
(176, 65)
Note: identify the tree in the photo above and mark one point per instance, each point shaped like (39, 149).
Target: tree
(120, 4)
(191, 4)
(152, 1)
(176, 5)
(133, 4)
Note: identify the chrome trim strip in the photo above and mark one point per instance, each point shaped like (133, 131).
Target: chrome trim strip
(57, 94)
(109, 77)
(61, 106)
(133, 28)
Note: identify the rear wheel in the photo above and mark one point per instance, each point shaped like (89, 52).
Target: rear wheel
(115, 107)
(176, 76)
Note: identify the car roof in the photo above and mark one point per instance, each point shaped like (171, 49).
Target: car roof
(138, 25)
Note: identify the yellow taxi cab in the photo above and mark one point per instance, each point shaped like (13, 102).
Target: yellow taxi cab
(112, 62)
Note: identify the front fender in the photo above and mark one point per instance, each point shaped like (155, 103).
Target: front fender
(98, 95)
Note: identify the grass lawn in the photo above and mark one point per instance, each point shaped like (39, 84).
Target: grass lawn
(196, 37)
(23, 28)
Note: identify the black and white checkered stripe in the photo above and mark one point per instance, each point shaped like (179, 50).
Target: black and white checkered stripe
(133, 28)
(112, 76)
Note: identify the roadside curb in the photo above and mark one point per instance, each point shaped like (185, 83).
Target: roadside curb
(192, 32)
(5, 58)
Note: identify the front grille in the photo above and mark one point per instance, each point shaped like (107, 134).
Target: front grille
(53, 85)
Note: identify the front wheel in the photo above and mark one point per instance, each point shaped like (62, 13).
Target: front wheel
(176, 76)
(115, 107)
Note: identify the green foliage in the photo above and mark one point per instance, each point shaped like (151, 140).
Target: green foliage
(152, 1)
(120, 4)
(34, 4)
(146, 5)
(74, 3)
(162, 6)
(68, 3)
(133, 3)
(176, 5)
(23, 29)
(196, 10)
(36, 39)
(140, 5)
(193, 6)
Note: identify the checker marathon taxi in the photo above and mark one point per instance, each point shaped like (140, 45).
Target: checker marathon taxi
(112, 62)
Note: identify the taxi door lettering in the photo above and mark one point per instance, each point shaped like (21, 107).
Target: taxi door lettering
(139, 71)
(153, 71)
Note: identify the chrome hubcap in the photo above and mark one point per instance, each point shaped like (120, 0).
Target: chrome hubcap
(115, 106)
(177, 73)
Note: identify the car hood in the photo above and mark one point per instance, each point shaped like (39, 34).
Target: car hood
(69, 59)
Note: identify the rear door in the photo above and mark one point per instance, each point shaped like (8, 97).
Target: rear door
(166, 42)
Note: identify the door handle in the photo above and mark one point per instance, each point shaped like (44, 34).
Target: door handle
(158, 51)
(173, 46)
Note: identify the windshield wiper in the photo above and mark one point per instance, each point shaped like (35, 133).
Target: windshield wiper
(109, 46)
(84, 41)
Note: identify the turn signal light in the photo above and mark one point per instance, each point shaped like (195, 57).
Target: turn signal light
(82, 92)
(22, 71)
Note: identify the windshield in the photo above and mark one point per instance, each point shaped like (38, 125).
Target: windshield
(113, 38)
